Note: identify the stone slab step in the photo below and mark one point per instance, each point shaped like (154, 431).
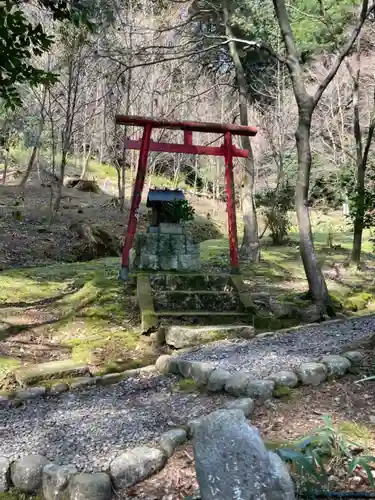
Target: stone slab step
(181, 337)
(191, 282)
(31, 374)
(200, 313)
(202, 301)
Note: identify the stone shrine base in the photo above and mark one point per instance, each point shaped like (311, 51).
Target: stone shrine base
(166, 252)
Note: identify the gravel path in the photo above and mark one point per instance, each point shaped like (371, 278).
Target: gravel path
(261, 357)
(88, 428)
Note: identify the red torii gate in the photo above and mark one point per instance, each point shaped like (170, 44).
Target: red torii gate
(228, 150)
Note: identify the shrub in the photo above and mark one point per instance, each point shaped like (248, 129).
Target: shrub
(276, 204)
(322, 453)
(177, 211)
(202, 229)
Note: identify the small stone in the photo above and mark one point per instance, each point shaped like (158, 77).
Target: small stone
(355, 357)
(260, 389)
(4, 402)
(4, 474)
(171, 439)
(90, 487)
(285, 379)
(26, 473)
(200, 373)
(58, 388)
(217, 380)
(192, 425)
(31, 393)
(83, 382)
(265, 335)
(167, 364)
(136, 465)
(312, 373)
(185, 367)
(55, 480)
(237, 384)
(244, 404)
(337, 365)
(111, 378)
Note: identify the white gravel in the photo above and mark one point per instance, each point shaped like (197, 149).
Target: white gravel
(261, 357)
(89, 428)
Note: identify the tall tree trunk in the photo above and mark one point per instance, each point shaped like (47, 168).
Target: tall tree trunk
(306, 105)
(6, 162)
(361, 156)
(250, 243)
(317, 286)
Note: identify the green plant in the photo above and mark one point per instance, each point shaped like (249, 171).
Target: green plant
(276, 204)
(176, 211)
(327, 449)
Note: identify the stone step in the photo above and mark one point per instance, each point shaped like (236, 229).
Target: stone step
(179, 336)
(201, 313)
(65, 368)
(197, 301)
(191, 282)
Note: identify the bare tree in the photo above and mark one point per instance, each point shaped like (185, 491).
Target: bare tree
(362, 148)
(306, 104)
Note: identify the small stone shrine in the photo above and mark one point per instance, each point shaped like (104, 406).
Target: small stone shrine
(165, 246)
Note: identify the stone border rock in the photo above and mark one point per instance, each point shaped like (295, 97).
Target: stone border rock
(243, 384)
(36, 474)
(15, 398)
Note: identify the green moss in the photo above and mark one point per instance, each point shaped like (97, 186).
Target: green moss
(114, 344)
(282, 392)
(131, 364)
(186, 385)
(7, 365)
(16, 495)
(358, 302)
(358, 433)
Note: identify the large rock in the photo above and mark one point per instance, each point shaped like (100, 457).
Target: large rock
(311, 314)
(246, 405)
(26, 473)
(135, 465)
(285, 378)
(312, 373)
(90, 487)
(217, 380)
(55, 480)
(4, 474)
(337, 365)
(171, 439)
(284, 309)
(184, 336)
(233, 463)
